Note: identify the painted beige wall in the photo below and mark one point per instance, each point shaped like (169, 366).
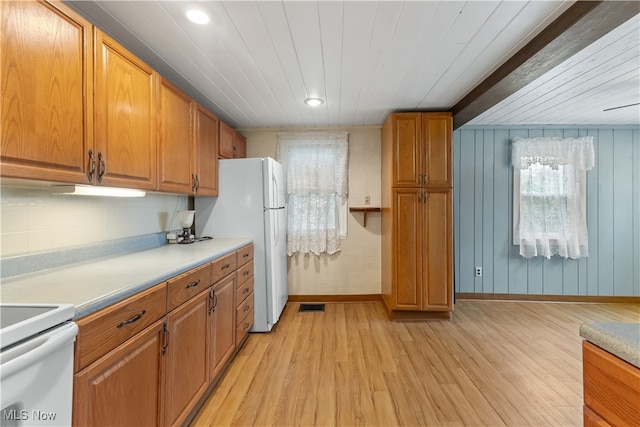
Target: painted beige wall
(355, 270)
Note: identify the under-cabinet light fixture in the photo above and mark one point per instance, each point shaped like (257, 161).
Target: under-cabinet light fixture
(197, 16)
(87, 190)
(313, 102)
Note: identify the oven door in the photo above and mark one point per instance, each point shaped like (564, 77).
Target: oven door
(36, 379)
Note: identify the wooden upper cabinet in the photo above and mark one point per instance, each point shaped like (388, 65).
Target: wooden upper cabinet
(46, 73)
(226, 141)
(422, 149)
(437, 129)
(206, 144)
(406, 150)
(125, 117)
(176, 151)
(239, 146)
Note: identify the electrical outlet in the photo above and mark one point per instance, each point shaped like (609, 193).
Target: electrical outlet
(367, 200)
(478, 271)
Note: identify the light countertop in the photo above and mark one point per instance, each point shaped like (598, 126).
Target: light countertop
(619, 339)
(95, 284)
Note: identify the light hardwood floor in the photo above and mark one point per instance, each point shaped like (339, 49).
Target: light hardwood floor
(494, 364)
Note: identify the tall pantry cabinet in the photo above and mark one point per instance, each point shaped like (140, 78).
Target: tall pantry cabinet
(417, 240)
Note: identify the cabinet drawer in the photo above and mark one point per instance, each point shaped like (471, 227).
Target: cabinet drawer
(244, 290)
(611, 386)
(223, 266)
(244, 273)
(245, 254)
(102, 331)
(243, 308)
(243, 327)
(187, 285)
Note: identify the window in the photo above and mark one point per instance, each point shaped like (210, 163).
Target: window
(316, 169)
(549, 196)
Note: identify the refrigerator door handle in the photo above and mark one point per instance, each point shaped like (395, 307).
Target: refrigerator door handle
(275, 229)
(274, 195)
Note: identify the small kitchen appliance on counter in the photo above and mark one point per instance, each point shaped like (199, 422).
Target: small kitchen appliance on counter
(186, 221)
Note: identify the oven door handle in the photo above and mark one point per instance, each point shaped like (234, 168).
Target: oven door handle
(32, 351)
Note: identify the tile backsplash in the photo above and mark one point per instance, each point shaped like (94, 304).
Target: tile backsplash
(35, 220)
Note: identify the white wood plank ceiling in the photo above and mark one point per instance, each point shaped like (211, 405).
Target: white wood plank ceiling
(603, 76)
(255, 62)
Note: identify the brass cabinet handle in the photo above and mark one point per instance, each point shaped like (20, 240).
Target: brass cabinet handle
(245, 291)
(166, 339)
(214, 301)
(246, 326)
(92, 166)
(196, 183)
(102, 167)
(246, 308)
(246, 273)
(193, 284)
(133, 319)
(224, 267)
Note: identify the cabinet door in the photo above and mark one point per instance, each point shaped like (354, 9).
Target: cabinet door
(437, 268)
(206, 136)
(226, 141)
(125, 117)
(46, 72)
(407, 248)
(123, 388)
(222, 324)
(436, 149)
(176, 150)
(406, 149)
(239, 146)
(187, 367)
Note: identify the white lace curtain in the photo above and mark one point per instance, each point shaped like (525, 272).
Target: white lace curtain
(552, 197)
(316, 165)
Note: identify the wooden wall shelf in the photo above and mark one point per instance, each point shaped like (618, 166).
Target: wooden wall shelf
(366, 210)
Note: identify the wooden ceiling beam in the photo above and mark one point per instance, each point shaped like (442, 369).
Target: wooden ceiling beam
(579, 26)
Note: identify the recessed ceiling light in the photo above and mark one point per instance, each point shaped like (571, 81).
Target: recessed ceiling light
(313, 102)
(197, 16)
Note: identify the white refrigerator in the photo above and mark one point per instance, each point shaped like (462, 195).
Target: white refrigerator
(251, 203)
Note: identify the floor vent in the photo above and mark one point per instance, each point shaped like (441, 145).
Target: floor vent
(311, 307)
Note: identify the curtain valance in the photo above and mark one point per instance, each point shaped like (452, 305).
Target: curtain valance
(553, 152)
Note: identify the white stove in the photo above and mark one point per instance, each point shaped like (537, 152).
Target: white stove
(36, 364)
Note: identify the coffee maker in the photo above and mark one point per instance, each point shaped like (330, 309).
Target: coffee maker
(186, 220)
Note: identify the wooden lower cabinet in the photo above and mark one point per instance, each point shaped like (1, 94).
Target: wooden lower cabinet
(187, 366)
(222, 320)
(421, 246)
(124, 387)
(611, 389)
(151, 358)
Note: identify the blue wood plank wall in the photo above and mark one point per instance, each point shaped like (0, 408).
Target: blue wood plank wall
(483, 200)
